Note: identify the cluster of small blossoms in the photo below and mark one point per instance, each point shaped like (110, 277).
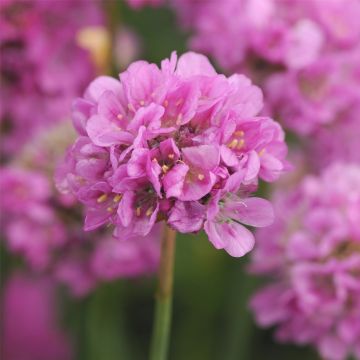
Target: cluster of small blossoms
(178, 143)
(42, 66)
(312, 256)
(31, 331)
(303, 53)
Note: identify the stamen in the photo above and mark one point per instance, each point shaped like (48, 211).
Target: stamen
(149, 211)
(117, 198)
(201, 176)
(241, 144)
(233, 143)
(142, 102)
(165, 168)
(262, 151)
(166, 103)
(239, 133)
(138, 211)
(178, 102)
(131, 107)
(171, 156)
(120, 116)
(110, 209)
(101, 198)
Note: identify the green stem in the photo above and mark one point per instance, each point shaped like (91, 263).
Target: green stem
(162, 321)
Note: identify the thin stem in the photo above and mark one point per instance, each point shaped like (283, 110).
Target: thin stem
(162, 321)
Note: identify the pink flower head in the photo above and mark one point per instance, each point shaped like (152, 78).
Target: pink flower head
(29, 328)
(312, 256)
(171, 143)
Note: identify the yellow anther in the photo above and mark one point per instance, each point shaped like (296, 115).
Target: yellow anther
(240, 144)
(149, 211)
(138, 211)
(117, 198)
(179, 119)
(239, 133)
(233, 143)
(166, 103)
(201, 176)
(165, 168)
(171, 156)
(120, 116)
(110, 209)
(101, 198)
(142, 102)
(261, 152)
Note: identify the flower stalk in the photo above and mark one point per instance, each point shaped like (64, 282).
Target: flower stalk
(163, 309)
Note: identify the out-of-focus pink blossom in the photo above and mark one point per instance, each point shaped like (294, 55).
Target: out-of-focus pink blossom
(312, 256)
(42, 67)
(29, 327)
(317, 95)
(127, 47)
(164, 143)
(293, 33)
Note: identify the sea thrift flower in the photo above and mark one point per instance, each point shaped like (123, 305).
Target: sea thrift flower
(29, 327)
(312, 256)
(338, 141)
(42, 66)
(178, 143)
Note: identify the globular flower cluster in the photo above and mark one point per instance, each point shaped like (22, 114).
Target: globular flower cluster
(179, 143)
(42, 66)
(45, 229)
(312, 256)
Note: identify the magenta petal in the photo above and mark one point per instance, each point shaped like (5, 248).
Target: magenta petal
(187, 216)
(203, 156)
(228, 157)
(251, 211)
(191, 63)
(233, 237)
(153, 171)
(173, 180)
(195, 188)
(110, 107)
(126, 208)
(104, 132)
(100, 85)
(137, 164)
(148, 116)
(95, 218)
